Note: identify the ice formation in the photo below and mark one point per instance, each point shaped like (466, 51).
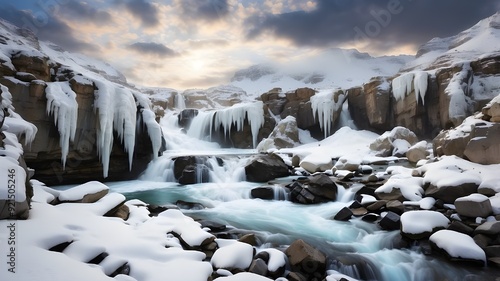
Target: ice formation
(116, 109)
(154, 130)
(14, 123)
(457, 90)
(403, 84)
(227, 117)
(324, 106)
(62, 105)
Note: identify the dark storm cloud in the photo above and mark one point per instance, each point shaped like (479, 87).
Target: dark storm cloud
(85, 12)
(144, 11)
(388, 22)
(46, 27)
(205, 9)
(150, 48)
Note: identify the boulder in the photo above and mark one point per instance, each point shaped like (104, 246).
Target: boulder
(417, 225)
(344, 214)
(263, 168)
(322, 185)
(450, 193)
(384, 146)
(484, 145)
(316, 163)
(458, 247)
(474, 205)
(284, 135)
(492, 110)
(490, 228)
(197, 173)
(185, 117)
(35, 65)
(417, 152)
(391, 221)
(263, 192)
(89, 192)
(306, 259)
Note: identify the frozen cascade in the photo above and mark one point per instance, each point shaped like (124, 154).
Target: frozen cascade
(324, 106)
(345, 119)
(116, 109)
(402, 85)
(154, 130)
(62, 105)
(15, 123)
(457, 90)
(227, 117)
(420, 85)
(180, 102)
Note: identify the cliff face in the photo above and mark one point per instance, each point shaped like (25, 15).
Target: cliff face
(91, 124)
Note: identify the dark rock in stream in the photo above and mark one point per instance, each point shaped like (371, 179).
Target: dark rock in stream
(263, 168)
(263, 192)
(306, 259)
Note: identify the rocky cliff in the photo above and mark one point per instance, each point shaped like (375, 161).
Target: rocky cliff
(91, 123)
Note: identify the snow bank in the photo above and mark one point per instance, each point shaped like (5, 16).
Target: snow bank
(78, 192)
(458, 245)
(325, 105)
(244, 276)
(416, 222)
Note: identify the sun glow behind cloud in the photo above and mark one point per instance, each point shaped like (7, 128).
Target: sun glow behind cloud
(201, 43)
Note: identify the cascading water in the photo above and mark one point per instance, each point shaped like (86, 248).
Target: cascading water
(357, 248)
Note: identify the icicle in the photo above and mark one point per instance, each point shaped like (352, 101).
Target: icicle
(116, 109)
(401, 85)
(324, 106)
(154, 130)
(420, 85)
(62, 105)
(228, 117)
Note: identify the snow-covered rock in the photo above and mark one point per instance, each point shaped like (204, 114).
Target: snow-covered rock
(474, 205)
(421, 224)
(458, 246)
(401, 188)
(385, 146)
(232, 255)
(284, 135)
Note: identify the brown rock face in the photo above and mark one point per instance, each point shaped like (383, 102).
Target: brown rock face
(35, 65)
(356, 99)
(484, 145)
(378, 101)
(83, 163)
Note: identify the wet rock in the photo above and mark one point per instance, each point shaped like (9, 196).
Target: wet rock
(474, 205)
(490, 228)
(213, 226)
(306, 259)
(450, 193)
(482, 240)
(370, 217)
(377, 206)
(263, 192)
(258, 266)
(197, 173)
(344, 214)
(263, 168)
(189, 205)
(249, 238)
(461, 227)
(493, 251)
(322, 185)
(186, 116)
(391, 221)
(395, 206)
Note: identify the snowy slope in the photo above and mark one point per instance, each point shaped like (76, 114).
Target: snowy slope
(480, 41)
(333, 68)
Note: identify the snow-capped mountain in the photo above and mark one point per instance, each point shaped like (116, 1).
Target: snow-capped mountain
(480, 41)
(332, 68)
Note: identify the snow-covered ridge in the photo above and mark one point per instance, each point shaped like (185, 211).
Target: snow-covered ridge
(330, 69)
(479, 41)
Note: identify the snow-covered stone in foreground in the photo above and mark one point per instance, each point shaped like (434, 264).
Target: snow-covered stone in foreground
(385, 146)
(244, 276)
(458, 246)
(85, 193)
(474, 205)
(232, 255)
(420, 224)
(316, 163)
(401, 187)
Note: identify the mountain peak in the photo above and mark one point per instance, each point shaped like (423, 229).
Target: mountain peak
(481, 40)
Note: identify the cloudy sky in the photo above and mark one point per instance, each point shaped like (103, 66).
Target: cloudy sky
(200, 43)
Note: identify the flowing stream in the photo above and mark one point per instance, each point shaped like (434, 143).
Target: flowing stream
(356, 248)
